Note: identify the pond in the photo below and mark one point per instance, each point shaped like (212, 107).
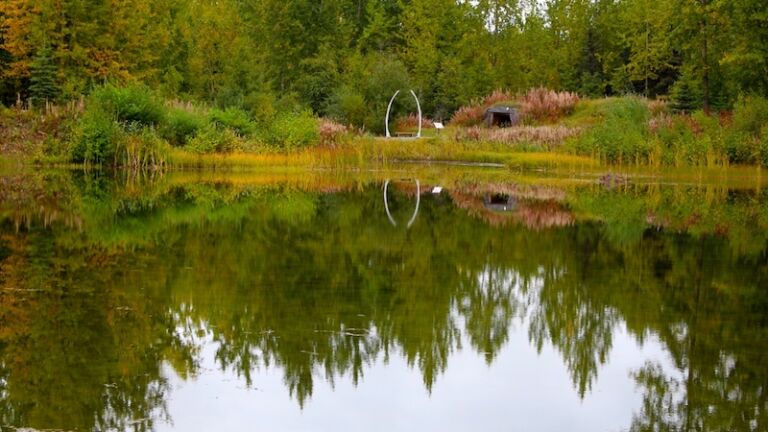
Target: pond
(467, 300)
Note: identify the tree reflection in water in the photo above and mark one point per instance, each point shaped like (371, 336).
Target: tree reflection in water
(104, 284)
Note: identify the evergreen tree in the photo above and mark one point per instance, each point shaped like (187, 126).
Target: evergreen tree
(42, 87)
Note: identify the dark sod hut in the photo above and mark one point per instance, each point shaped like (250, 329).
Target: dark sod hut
(502, 116)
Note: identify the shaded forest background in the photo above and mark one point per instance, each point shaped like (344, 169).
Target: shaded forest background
(340, 56)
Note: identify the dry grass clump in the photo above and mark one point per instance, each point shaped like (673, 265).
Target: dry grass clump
(412, 122)
(657, 107)
(544, 104)
(331, 133)
(660, 122)
(545, 135)
(472, 114)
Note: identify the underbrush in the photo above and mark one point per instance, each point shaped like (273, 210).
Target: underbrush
(132, 127)
(535, 106)
(636, 131)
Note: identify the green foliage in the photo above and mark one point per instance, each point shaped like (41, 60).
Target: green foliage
(42, 78)
(181, 125)
(764, 146)
(750, 115)
(213, 139)
(96, 138)
(233, 118)
(685, 95)
(363, 104)
(349, 107)
(130, 104)
(622, 136)
(293, 130)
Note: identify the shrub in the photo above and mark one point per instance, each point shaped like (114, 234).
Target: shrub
(544, 104)
(132, 104)
(349, 107)
(293, 130)
(622, 135)
(468, 115)
(181, 125)
(96, 137)
(764, 146)
(213, 139)
(233, 118)
(744, 142)
(750, 115)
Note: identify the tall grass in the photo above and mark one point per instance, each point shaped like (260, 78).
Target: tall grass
(541, 104)
(546, 137)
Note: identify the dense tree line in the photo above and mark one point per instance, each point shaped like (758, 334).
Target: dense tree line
(339, 56)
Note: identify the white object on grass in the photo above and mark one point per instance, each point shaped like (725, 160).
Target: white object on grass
(389, 108)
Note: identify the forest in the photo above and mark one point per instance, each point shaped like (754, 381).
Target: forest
(332, 54)
(223, 76)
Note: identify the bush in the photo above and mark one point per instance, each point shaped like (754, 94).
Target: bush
(623, 135)
(233, 118)
(743, 144)
(750, 115)
(349, 107)
(764, 146)
(181, 125)
(96, 137)
(132, 104)
(214, 139)
(293, 130)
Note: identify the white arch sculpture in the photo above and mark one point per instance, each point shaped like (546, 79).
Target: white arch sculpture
(389, 108)
(415, 211)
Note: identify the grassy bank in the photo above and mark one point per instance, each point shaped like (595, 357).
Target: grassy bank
(131, 127)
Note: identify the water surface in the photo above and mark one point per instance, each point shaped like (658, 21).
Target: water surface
(307, 302)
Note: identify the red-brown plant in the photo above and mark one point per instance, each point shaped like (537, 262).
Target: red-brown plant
(544, 104)
(472, 114)
(331, 133)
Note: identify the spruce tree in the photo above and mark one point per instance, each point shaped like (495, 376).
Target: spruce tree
(42, 77)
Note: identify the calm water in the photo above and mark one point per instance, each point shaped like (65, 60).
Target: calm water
(275, 302)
